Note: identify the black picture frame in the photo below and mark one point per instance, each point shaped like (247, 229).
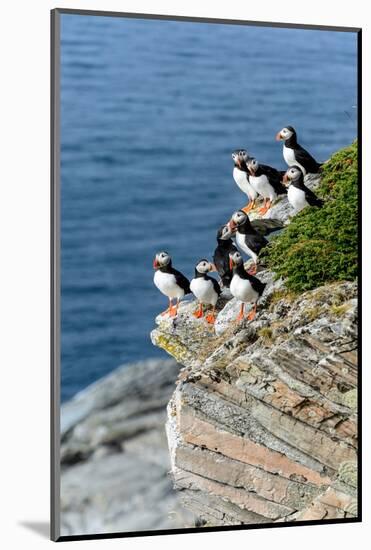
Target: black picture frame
(55, 271)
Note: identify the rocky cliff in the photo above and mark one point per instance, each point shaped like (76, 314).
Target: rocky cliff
(262, 426)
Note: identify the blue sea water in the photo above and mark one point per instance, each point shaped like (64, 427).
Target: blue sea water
(150, 112)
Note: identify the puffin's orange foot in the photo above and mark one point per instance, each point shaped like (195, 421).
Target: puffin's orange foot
(173, 312)
(210, 319)
(198, 314)
(252, 314)
(240, 317)
(165, 312)
(248, 207)
(263, 210)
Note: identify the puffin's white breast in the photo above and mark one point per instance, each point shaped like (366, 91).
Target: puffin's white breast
(289, 156)
(166, 283)
(241, 243)
(296, 198)
(204, 290)
(241, 179)
(263, 187)
(242, 289)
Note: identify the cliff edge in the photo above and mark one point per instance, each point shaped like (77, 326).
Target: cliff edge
(262, 426)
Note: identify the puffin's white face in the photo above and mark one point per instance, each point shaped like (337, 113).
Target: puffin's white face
(243, 155)
(284, 134)
(252, 165)
(204, 266)
(236, 158)
(238, 218)
(292, 174)
(161, 259)
(235, 259)
(239, 156)
(226, 232)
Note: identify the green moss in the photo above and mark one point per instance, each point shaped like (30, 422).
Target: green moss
(320, 244)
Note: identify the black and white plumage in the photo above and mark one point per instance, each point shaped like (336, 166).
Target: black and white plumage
(295, 154)
(244, 286)
(205, 288)
(266, 181)
(241, 177)
(169, 281)
(266, 226)
(248, 239)
(298, 194)
(221, 254)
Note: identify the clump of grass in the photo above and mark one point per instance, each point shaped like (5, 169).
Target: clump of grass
(266, 334)
(320, 244)
(339, 310)
(281, 294)
(313, 313)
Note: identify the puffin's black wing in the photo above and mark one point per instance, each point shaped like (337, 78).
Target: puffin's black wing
(279, 188)
(255, 242)
(221, 262)
(215, 285)
(181, 281)
(275, 179)
(232, 249)
(265, 227)
(306, 160)
(312, 198)
(257, 284)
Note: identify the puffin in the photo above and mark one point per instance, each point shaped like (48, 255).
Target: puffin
(293, 153)
(244, 286)
(266, 181)
(205, 288)
(241, 177)
(169, 281)
(250, 236)
(298, 194)
(221, 254)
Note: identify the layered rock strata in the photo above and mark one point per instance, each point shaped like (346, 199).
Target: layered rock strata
(264, 416)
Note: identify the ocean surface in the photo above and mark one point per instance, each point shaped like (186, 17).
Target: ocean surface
(150, 112)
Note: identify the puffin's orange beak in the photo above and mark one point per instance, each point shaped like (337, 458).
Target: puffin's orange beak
(278, 136)
(231, 264)
(285, 179)
(238, 162)
(213, 267)
(232, 225)
(155, 264)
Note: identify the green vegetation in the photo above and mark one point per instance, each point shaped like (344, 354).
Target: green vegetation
(320, 244)
(313, 313)
(266, 334)
(339, 311)
(281, 294)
